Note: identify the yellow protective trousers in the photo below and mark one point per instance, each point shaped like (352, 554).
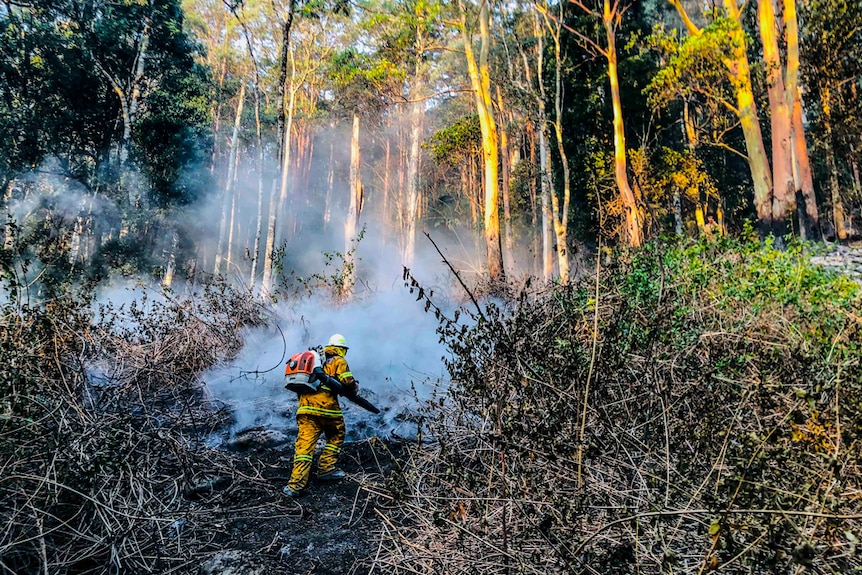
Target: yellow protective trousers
(310, 428)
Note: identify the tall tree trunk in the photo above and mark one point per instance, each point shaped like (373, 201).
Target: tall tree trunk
(275, 202)
(384, 210)
(229, 201)
(784, 193)
(547, 183)
(286, 27)
(506, 169)
(351, 222)
(255, 255)
(838, 213)
(534, 207)
(416, 119)
(481, 82)
(269, 249)
(330, 183)
(546, 172)
(633, 223)
(691, 143)
(284, 186)
(561, 215)
(804, 182)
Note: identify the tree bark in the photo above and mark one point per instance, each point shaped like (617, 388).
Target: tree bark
(229, 199)
(480, 79)
(269, 249)
(416, 119)
(352, 220)
(803, 180)
(506, 177)
(633, 221)
(838, 213)
(784, 193)
(546, 173)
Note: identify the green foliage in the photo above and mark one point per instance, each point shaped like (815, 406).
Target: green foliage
(695, 64)
(720, 398)
(455, 142)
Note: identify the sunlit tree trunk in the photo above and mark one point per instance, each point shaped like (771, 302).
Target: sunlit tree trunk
(228, 188)
(170, 268)
(633, 221)
(691, 143)
(784, 193)
(351, 222)
(290, 107)
(417, 116)
(481, 82)
(560, 214)
(804, 182)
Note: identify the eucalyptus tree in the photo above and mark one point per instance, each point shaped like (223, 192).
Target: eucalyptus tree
(469, 16)
(832, 72)
(553, 25)
(301, 59)
(408, 34)
(714, 56)
(364, 87)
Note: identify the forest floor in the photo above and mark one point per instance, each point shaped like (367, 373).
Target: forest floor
(333, 528)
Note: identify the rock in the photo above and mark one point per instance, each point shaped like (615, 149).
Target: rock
(843, 259)
(233, 562)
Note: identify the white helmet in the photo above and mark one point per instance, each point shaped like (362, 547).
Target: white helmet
(338, 340)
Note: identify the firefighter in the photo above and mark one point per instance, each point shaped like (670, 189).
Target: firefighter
(318, 413)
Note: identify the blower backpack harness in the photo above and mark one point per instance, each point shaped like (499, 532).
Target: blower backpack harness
(303, 375)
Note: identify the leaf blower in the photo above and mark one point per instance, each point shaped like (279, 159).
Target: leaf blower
(303, 375)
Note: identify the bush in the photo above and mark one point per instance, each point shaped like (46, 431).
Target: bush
(711, 421)
(101, 418)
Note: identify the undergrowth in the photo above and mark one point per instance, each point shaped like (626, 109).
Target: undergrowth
(711, 422)
(100, 414)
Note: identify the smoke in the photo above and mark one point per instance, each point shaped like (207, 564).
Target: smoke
(394, 353)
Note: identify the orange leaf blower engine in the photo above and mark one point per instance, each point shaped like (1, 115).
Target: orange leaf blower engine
(299, 374)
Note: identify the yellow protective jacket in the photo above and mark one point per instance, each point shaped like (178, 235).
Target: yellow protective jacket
(325, 402)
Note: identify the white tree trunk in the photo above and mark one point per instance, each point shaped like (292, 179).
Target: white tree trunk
(229, 200)
(413, 183)
(352, 220)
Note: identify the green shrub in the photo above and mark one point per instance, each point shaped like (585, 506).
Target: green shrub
(711, 422)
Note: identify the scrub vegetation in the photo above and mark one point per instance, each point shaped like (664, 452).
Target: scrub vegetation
(691, 408)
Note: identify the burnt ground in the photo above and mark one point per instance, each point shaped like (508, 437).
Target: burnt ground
(333, 528)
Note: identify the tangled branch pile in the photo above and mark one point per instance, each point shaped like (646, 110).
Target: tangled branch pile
(698, 409)
(99, 418)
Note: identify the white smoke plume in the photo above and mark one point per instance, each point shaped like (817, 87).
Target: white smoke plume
(394, 353)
